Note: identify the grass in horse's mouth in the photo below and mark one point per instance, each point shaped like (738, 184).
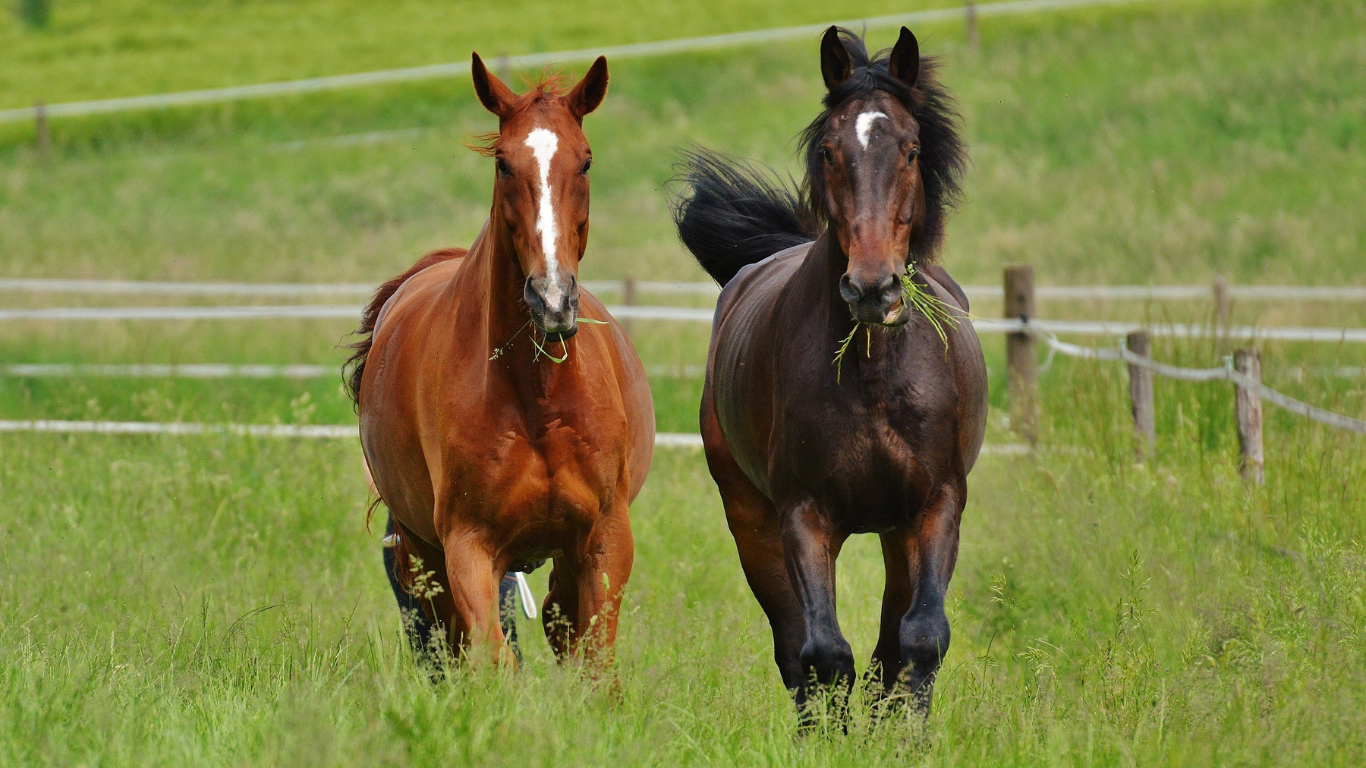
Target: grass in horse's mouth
(540, 349)
(913, 296)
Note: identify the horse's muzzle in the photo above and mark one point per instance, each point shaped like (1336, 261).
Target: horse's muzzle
(877, 304)
(554, 306)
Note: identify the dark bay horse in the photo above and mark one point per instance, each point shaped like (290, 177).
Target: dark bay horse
(497, 432)
(806, 454)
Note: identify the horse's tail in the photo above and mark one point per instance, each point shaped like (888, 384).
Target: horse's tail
(354, 368)
(737, 213)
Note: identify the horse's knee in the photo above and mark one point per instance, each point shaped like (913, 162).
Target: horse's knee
(925, 639)
(830, 658)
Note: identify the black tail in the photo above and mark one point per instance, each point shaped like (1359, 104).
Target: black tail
(737, 214)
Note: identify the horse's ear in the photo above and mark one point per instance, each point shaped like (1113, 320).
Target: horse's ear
(835, 66)
(904, 63)
(588, 94)
(495, 96)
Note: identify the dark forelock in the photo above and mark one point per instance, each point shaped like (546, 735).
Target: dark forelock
(943, 157)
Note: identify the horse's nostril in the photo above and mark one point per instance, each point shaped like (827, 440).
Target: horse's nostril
(849, 290)
(890, 288)
(533, 297)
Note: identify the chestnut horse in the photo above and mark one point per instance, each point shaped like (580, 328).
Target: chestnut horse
(495, 434)
(806, 454)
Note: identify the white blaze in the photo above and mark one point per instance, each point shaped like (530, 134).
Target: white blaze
(543, 144)
(865, 124)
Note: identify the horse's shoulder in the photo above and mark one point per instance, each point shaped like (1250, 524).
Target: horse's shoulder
(420, 286)
(772, 270)
(937, 275)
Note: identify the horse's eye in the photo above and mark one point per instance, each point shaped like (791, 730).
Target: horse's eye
(503, 168)
(586, 165)
(827, 156)
(914, 154)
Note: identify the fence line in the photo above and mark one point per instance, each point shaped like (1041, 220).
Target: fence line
(60, 285)
(309, 371)
(307, 431)
(528, 61)
(295, 311)
(691, 314)
(1182, 292)
(317, 432)
(126, 287)
(707, 288)
(1225, 373)
(228, 371)
(185, 371)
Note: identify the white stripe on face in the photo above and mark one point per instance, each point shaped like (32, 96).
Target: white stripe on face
(543, 144)
(865, 124)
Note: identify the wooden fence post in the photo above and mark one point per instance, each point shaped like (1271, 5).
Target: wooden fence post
(971, 12)
(628, 298)
(1021, 360)
(40, 123)
(1141, 395)
(1222, 311)
(1248, 408)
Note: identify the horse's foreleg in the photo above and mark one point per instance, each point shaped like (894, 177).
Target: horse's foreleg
(811, 545)
(560, 609)
(932, 552)
(602, 582)
(885, 669)
(474, 626)
(584, 603)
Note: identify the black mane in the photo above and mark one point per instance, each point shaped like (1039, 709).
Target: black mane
(943, 157)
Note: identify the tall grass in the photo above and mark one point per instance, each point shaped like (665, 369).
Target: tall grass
(217, 601)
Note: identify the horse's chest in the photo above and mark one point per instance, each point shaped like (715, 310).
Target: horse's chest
(872, 460)
(556, 472)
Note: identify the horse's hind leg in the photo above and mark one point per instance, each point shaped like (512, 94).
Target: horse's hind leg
(423, 567)
(758, 538)
(418, 620)
(758, 535)
(507, 612)
(932, 552)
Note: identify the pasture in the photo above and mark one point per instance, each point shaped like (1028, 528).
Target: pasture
(218, 600)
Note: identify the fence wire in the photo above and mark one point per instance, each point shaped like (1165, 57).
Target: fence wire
(534, 61)
(1226, 373)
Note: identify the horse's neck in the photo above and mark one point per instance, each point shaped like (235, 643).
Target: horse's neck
(817, 283)
(505, 317)
(499, 279)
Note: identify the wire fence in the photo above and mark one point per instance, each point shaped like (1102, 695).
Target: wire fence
(1225, 373)
(305, 431)
(241, 371)
(529, 61)
(319, 432)
(1266, 293)
(691, 314)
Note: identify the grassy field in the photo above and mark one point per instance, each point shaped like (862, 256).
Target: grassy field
(218, 601)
